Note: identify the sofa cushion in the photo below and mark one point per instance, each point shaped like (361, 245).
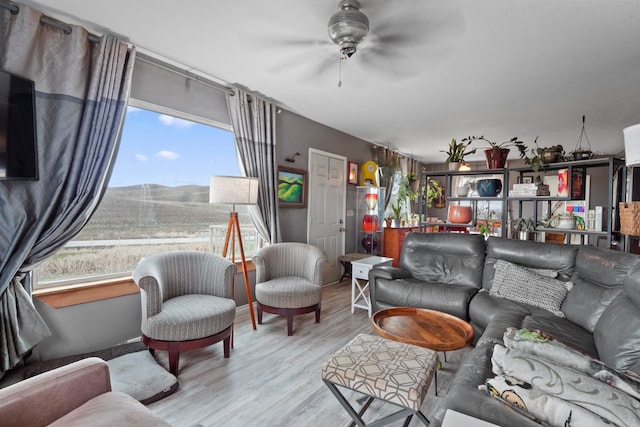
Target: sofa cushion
(110, 409)
(564, 331)
(538, 255)
(617, 334)
(451, 259)
(525, 285)
(484, 307)
(586, 301)
(597, 279)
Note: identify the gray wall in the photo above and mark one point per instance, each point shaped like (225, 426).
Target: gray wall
(295, 133)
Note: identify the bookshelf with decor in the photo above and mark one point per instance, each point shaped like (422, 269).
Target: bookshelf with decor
(568, 191)
(469, 208)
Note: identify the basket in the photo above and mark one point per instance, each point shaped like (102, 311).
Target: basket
(630, 218)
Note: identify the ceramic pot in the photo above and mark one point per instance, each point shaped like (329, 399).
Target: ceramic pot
(459, 214)
(566, 222)
(454, 166)
(462, 190)
(489, 187)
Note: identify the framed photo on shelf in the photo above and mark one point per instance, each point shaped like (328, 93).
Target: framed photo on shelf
(352, 173)
(525, 180)
(292, 187)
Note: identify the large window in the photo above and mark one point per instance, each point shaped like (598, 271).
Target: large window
(157, 200)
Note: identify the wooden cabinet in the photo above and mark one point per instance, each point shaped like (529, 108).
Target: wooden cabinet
(392, 241)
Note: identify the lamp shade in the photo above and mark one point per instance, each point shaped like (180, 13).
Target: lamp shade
(632, 145)
(233, 190)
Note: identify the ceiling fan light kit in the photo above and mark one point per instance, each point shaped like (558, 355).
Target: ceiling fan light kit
(348, 26)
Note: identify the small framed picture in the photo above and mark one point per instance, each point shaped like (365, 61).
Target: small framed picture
(292, 187)
(527, 180)
(352, 173)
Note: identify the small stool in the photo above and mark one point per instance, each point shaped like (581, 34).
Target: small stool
(382, 369)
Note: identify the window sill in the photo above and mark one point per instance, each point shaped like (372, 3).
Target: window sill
(64, 296)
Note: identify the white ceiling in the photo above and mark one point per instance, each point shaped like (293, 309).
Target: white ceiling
(498, 68)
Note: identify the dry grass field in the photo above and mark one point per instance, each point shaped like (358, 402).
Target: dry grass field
(139, 212)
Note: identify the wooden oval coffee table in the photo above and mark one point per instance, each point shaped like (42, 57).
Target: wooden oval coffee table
(426, 328)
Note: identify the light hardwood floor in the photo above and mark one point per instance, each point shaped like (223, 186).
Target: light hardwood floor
(274, 380)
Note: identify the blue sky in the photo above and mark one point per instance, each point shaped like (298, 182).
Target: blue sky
(159, 149)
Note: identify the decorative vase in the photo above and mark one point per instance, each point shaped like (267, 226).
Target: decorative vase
(370, 223)
(370, 244)
(496, 157)
(489, 187)
(372, 200)
(454, 166)
(459, 214)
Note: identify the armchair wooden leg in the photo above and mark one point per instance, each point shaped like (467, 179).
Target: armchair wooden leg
(259, 309)
(226, 343)
(290, 322)
(174, 358)
(318, 314)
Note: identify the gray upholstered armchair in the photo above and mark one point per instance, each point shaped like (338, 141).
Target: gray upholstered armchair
(186, 301)
(289, 280)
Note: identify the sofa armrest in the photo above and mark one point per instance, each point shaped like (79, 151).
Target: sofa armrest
(42, 399)
(383, 272)
(386, 272)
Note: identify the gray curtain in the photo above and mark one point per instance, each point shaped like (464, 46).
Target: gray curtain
(82, 88)
(254, 125)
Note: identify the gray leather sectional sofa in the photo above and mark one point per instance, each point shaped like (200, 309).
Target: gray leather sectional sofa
(454, 273)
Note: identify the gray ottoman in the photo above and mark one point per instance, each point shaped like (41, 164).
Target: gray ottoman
(382, 369)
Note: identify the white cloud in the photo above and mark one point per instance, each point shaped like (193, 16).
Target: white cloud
(131, 109)
(140, 158)
(166, 155)
(173, 121)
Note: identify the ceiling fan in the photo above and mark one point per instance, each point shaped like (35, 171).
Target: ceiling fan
(387, 40)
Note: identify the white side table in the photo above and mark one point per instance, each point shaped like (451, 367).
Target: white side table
(360, 272)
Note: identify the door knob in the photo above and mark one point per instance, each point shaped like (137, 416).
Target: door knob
(342, 229)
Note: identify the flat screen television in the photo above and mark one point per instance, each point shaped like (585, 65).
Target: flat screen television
(18, 146)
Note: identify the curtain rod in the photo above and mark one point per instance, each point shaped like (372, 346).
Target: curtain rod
(185, 73)
(47, 20)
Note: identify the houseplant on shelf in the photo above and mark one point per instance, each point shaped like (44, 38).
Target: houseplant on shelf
(456, 152)
(524, 229)
(397, 211)
(498, 151)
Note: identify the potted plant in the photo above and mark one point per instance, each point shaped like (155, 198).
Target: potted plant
(397, 212)
(524, 229)
(433, 191)
(498, 151)
(456, 153)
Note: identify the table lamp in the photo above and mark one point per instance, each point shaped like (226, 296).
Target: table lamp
(235, 190)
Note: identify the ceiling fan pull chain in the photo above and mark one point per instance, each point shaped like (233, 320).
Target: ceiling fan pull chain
(340, 71)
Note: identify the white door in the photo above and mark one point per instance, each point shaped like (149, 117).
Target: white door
(327, 204)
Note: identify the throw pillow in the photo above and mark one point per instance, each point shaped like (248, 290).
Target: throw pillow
(525, 285)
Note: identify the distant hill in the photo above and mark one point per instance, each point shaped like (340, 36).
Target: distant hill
(154, 211)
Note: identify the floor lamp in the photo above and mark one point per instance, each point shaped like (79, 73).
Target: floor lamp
(235, 190)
